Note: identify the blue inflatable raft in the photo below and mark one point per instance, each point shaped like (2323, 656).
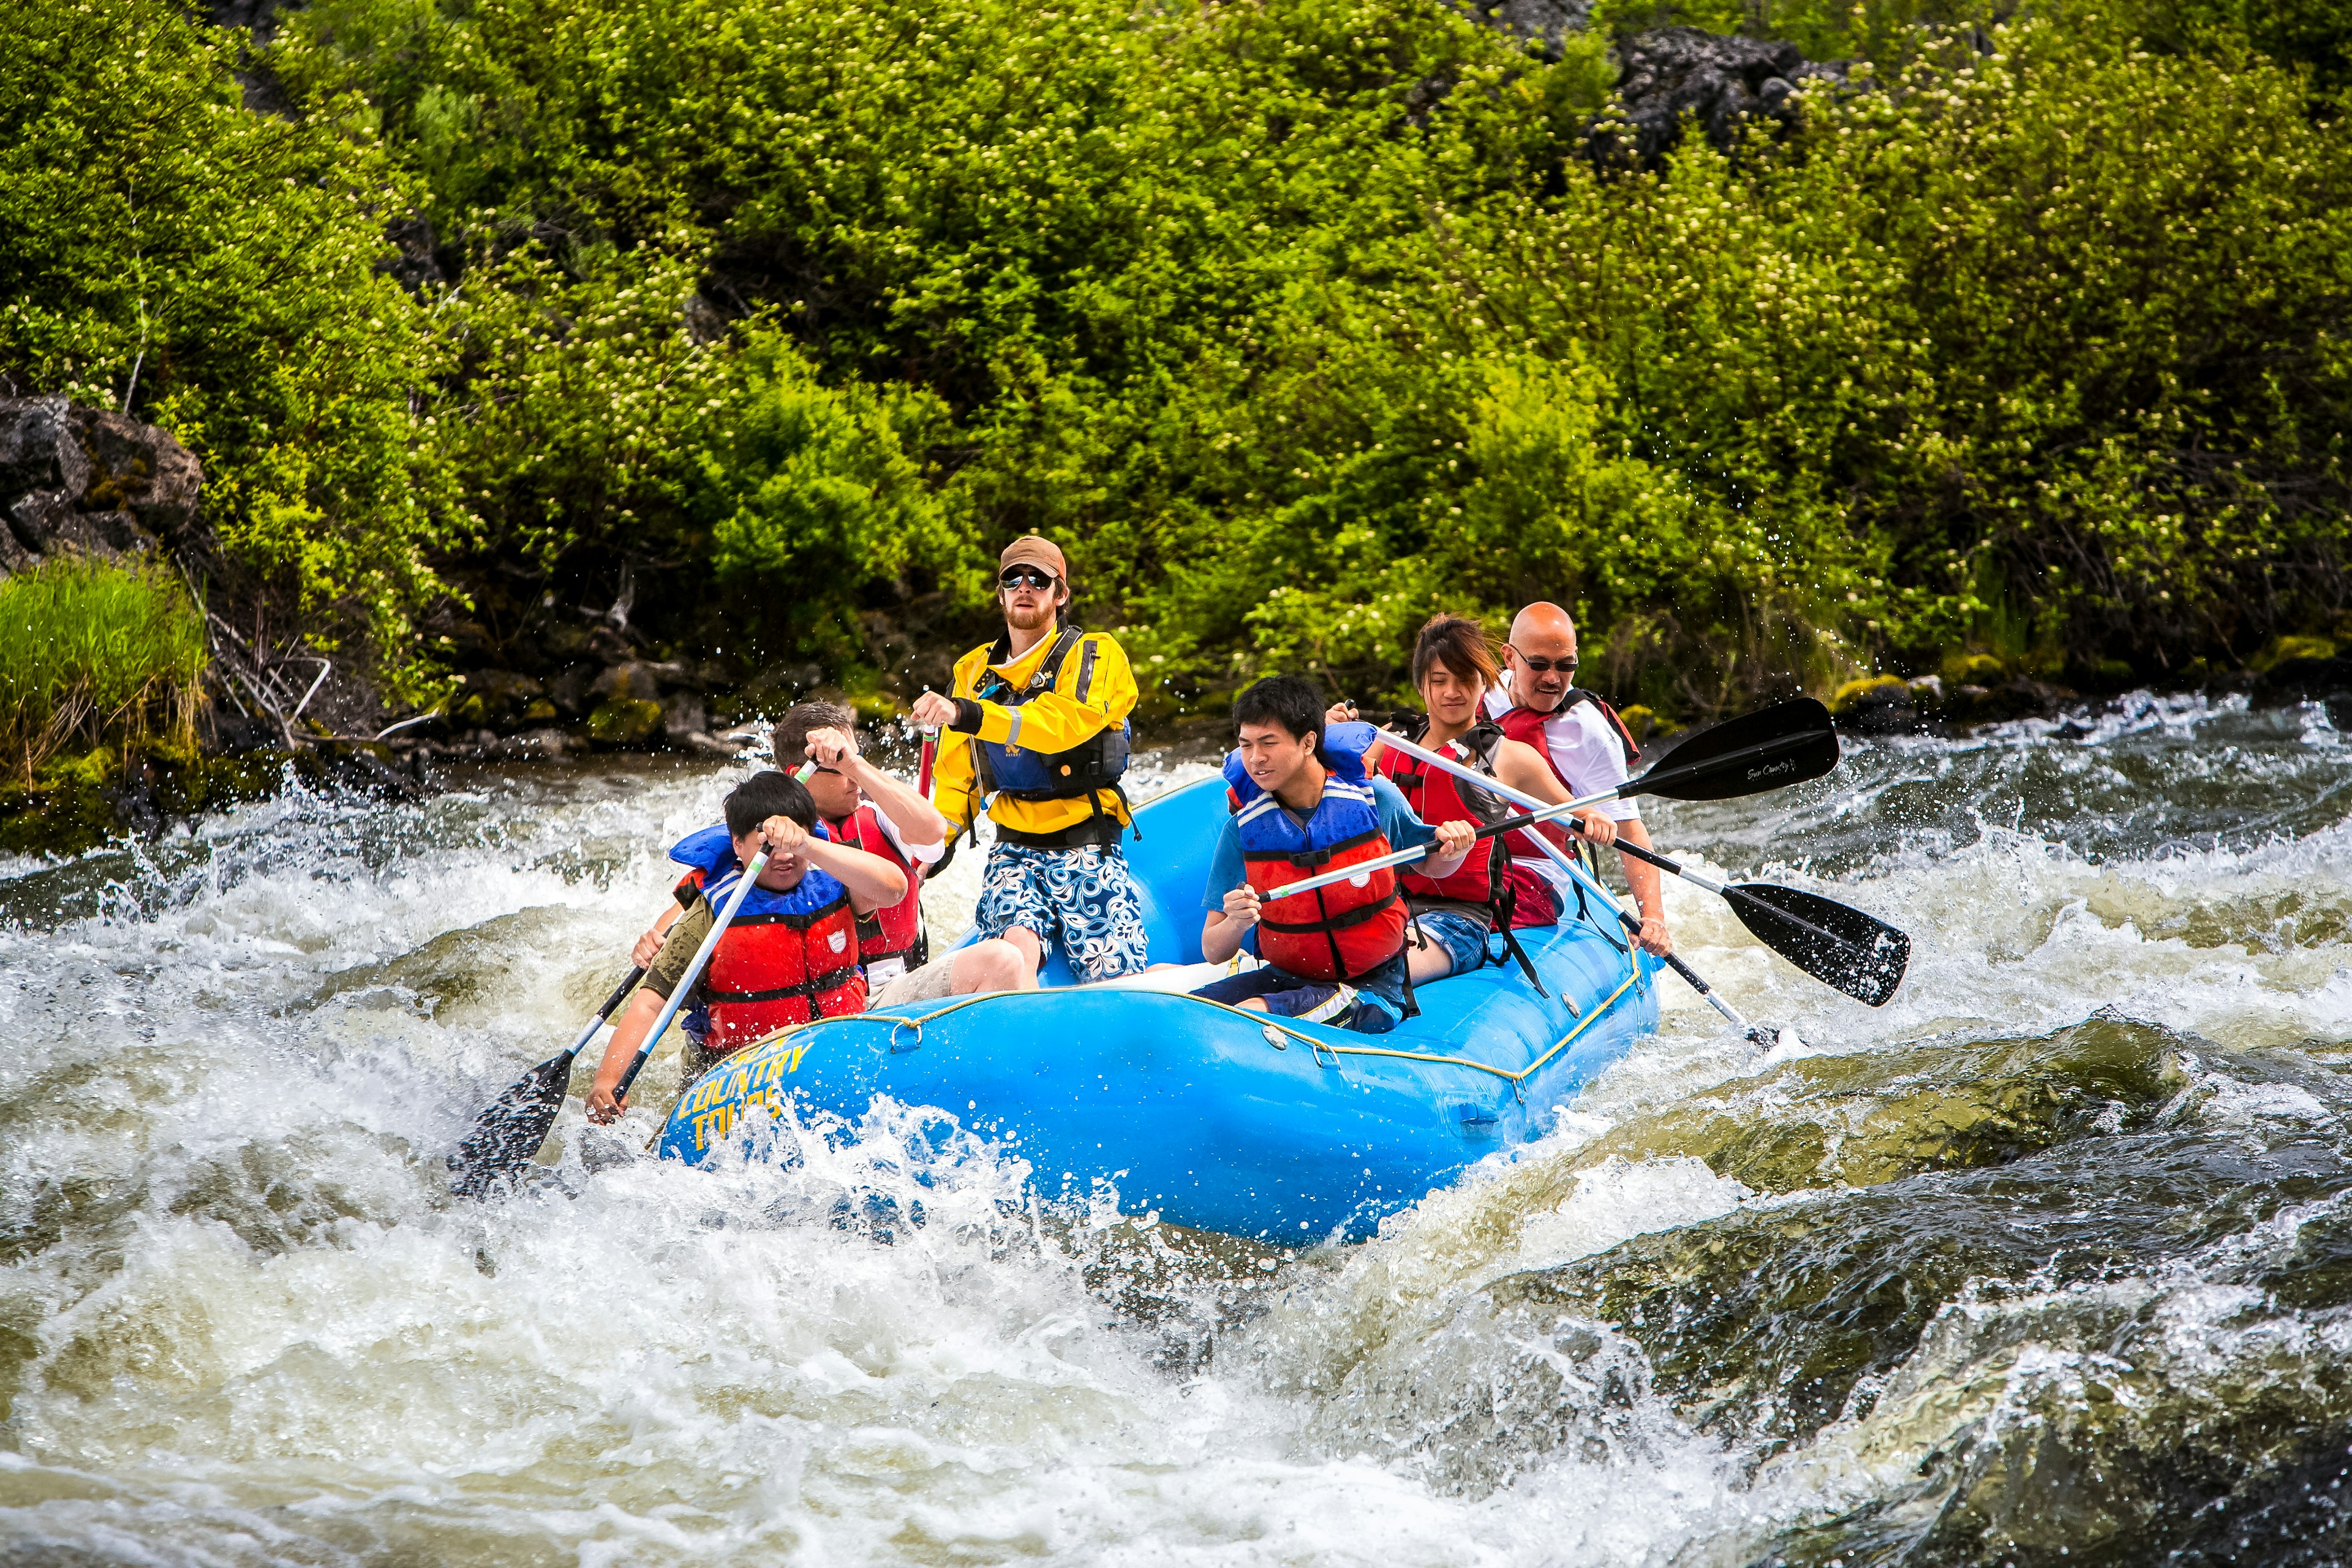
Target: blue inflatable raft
(1208, 1115)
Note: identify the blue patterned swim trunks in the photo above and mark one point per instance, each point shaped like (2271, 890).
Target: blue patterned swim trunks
(1080, 899)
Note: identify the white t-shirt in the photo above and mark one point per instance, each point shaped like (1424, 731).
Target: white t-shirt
(924, 855)
(1589, 756)
(1583, 746)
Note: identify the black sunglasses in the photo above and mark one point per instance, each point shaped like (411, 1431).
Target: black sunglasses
(1546, 666)
(1025, 577)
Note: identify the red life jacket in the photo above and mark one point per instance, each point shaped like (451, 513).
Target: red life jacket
(785, 958)
(1525, 726)
(1348, 930)
(1492, 875)
(887, 937)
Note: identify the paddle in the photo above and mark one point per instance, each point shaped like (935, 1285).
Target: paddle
(1858, 954)
(510, 1130)
(693, 973)
(1761, 1035)
(1786, 743)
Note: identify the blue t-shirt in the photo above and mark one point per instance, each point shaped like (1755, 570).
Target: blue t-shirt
(1397, 821)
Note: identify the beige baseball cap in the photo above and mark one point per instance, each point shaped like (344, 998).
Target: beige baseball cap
(1031, 551)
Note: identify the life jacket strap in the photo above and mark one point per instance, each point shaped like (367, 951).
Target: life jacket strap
(809, 988)
(1356, 916)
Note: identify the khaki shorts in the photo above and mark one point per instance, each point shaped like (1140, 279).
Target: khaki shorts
(930, 984)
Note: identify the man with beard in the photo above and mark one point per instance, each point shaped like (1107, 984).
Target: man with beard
(1036, 727)
(1539, 703)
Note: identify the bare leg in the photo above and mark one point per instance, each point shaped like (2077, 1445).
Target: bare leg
(1424, 959)
(1252, 1003)
(1033, 953)
(994, 964)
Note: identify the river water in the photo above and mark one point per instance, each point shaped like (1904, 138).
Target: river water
(2049, 1259)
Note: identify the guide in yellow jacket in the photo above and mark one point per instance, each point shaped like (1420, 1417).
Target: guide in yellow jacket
(1036, 727)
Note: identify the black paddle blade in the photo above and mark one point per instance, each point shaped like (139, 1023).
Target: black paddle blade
(1786, 743)
(1861, 955)
(509, 1131)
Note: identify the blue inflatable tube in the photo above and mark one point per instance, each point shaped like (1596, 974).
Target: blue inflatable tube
(1204, 1114)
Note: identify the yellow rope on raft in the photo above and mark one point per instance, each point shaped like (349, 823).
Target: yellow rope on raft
(1261, 1019)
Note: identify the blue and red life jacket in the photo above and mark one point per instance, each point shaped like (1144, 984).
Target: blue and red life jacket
(1343, 932)
(784, 959)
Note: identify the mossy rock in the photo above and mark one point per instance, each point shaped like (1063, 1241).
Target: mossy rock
(876, 708)
(1873, 690)
(1646, 724)
(2282, 649)
(1974, 670)
(541, 712)
(625, 721)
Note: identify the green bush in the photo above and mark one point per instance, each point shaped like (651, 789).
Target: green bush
(98, 653)
(1294, 322)
(217, 270)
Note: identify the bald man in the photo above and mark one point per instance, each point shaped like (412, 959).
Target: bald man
(1539, 702)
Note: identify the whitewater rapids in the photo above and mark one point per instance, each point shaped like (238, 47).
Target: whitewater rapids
(2049, 1259)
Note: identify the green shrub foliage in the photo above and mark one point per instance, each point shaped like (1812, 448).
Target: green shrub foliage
(218, 271)
(1296, 321)
(96, 652)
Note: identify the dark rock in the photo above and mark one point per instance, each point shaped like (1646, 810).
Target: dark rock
(459, 638)
(48, 524)
(416, 263)
(569, 689)
(683, 714)
(496, 698)
(2018, 698)
(224, 732)
(563, 642)
(1718, 81)
(1544, 24)
(38, 448)
(140, 469)
(38, 517)
(117, 530)
(625, 721)
(633, 682)
(2305, 677)
(1890, 716)
(91, 480)
(14, 556)
(607, 645)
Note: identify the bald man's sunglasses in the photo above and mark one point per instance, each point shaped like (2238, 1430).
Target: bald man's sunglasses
(1545, 665)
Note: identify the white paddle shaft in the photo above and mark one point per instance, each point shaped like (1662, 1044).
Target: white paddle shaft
(693, 972)
(1401, 857)
(1566, 862)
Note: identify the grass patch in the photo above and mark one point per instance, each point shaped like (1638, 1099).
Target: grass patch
(97, 653)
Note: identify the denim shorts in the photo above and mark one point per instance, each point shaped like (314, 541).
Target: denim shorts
(1461, 938)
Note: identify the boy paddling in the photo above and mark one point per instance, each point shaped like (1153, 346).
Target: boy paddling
(790, 954)
(1303, 804)
(863, 807)
(1036, 727)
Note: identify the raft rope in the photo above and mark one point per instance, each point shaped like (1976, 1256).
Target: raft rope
(1261, 1020)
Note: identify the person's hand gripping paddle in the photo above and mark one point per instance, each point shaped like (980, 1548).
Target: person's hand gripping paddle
(1787, 743)
(685, 982)
(509, 1130)
(1842, 947)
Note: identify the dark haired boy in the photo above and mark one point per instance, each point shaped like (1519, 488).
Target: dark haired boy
(1303, 804)
(791, 952)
